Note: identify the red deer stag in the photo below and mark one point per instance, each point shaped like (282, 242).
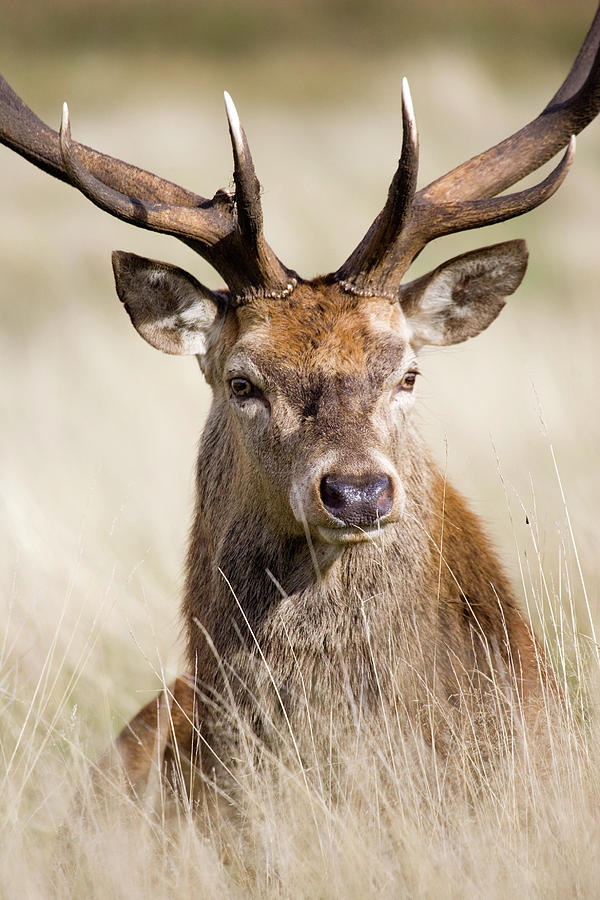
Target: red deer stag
(331, 570)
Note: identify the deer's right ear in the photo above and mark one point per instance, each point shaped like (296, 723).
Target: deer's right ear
(168, 307)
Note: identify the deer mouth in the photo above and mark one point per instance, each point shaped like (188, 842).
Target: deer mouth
(351, 534)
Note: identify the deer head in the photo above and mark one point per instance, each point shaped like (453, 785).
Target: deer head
(313, 380)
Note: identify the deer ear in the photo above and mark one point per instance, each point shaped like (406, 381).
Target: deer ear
(463, 296)
(168, 307)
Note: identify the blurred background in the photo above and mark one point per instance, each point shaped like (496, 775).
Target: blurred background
(98, 431)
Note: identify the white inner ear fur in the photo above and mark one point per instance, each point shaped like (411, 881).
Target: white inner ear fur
(423, 321)
(188, 329)
(437, 296)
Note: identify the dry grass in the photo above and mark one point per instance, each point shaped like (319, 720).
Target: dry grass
(96, 456)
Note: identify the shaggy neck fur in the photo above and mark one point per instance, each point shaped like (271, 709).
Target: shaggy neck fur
(277, 626)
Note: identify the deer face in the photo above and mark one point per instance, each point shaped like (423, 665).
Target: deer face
(316, 387)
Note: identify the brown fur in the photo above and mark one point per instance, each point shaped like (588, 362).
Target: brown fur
(287, 633)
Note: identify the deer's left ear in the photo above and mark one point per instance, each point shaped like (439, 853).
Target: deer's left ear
(463, 296)
(167, 306)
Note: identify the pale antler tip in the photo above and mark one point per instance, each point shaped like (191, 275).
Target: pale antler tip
(65, 124)
(234, 120)
(569, 155)
(407, 106)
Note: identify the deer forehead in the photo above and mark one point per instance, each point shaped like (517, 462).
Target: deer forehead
(322, 329)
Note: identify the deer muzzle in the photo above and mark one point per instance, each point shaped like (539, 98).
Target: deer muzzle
(341, 506)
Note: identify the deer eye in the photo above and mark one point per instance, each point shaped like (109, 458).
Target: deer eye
(407, 382)
(241, 387)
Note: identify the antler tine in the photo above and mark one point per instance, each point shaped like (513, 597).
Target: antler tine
(370, 263)
(467, 197)
(279, 280)
(180, 221)
(247, 187)
(434, 220)
(462, 215)
(26, 134)
(233, 244)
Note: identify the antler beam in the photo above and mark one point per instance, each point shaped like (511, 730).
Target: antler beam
(467, 196)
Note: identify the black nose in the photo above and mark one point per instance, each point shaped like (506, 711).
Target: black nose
(357, 500)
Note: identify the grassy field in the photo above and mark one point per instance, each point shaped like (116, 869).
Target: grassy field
(98, 435)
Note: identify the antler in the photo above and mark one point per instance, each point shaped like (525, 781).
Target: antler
(467, 197)
(227, 230)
